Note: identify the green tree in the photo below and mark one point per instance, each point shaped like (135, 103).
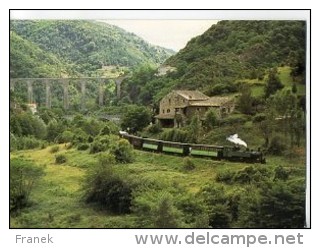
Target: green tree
(123, 151)
(195, 129)
(282, 205)
(136, 118)
(216, 200)
(290, 115)
(273, 83)
(245, 99)
(211, 119)
(66, 136)
(220, 216)
(275, 204)
(54, 129)
(165, 214)
(23, 177)
(106, 188)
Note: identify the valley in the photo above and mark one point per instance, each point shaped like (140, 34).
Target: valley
(77, 85)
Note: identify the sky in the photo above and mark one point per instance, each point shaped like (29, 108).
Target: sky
(173, 34)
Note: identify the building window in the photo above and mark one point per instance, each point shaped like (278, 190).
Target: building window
(169, 101)
(168, 110)
(163, 111)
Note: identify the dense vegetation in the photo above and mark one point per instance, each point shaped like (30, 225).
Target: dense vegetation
(69, 168)
(227, 54)
(90, 45)
(240, 49)
(29, 60)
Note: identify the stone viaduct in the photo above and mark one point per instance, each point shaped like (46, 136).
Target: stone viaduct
(65, 82)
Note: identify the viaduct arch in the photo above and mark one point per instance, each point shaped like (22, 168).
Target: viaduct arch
(65, 83)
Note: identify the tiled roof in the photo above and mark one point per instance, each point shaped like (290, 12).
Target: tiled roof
(192, 95)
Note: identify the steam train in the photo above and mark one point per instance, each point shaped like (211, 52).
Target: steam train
(235, 154)
(196, 150)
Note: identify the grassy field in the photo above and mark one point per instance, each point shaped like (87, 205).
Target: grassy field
(57, 201)
(287, 81)
(257, 86)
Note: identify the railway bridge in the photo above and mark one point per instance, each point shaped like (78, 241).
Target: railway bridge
(64, 82)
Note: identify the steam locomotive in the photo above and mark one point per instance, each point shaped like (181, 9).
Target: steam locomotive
(235, 154)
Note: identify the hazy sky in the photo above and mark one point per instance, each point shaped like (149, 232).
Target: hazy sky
(172, 34)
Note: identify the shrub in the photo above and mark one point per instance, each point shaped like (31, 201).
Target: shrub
(154, 128)
(105, 130)
(79, 136)
(280, 173)
(90, 139)
(54, 129)
(225, 176)
(252, 174)
(25, 142)
(166, 215)
(192, 209)
(54, 149)
(61, 159)
(65, 137)
(188, 164)
(97, 146)
(109, 128)
(82, 146)
(44, 145)
(104, 187)
(276, 204)
(234, 119)
(123, 152)
(220, 216)
(222, 88)
(216, 200)
(277, 145)
(259, 118)
(23, 175)
(106, 159)
(31, 143)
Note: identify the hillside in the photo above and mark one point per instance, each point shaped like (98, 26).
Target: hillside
(90, 45)
(226, 55)
(233, 50)
(28, 60)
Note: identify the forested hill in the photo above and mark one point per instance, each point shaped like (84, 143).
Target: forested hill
(231, 50)
(28, 60)
(90, 45)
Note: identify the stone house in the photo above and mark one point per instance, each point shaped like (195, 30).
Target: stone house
(180, 105)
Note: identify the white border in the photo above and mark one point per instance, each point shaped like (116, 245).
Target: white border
(162, 14)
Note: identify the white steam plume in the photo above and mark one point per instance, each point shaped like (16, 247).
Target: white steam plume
(236, 140)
